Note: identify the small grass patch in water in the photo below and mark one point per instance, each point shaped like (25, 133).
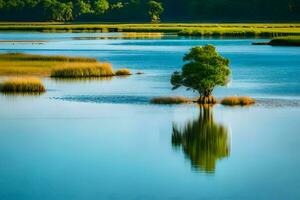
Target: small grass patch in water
(83, 70)
(123, 72)
(170, 100)
(22, 85)
(237, 101)
(139, 73)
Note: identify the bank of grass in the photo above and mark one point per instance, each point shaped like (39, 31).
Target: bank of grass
(182, 29)
(22, 85)
(123, 72)
(286, 41)
(237, 101)
(170, 100)
(82, 70)
(40, 65)
(50, 58)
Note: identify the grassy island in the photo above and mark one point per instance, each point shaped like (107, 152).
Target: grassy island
(22, 85)
(82, 70)
(171, 100)
(123, 72)
(237, 101)
(54, 66)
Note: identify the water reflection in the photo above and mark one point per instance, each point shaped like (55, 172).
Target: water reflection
(85, 80)
(203, 141)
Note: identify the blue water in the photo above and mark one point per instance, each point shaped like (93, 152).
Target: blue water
(101, 139)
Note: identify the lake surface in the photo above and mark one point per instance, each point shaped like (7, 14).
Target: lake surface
(102, 139)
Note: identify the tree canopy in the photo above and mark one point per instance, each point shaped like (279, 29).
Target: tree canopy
(205, 69)
(155, 10)
(140, 10)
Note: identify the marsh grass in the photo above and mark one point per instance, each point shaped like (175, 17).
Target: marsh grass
(22, 85)
(237, 101)
(170, 100)
(43, 65)
(123, 72)
(286, 41)
(83, 70)
(182, 29)
(54, 58)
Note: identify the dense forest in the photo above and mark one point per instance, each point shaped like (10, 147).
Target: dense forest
(145, 10)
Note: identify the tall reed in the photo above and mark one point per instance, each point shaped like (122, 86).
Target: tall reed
(82, 70)
(22, 85)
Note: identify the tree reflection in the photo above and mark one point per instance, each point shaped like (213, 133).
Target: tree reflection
(202, 140)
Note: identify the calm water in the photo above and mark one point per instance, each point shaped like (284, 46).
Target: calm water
(101, 139)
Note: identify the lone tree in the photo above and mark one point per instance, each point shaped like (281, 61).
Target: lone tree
(155, 10)
(205, 70)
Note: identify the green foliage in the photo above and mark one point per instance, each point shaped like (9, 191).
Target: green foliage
(286, 41)
(58, 11)
(205, 69)
(81, 8)
(155, 10)
(203, 141)
(101, 6)
(2, 4)
(140, 10)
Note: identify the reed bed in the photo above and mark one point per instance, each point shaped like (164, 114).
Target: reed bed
(239, 32)
(32, 57)
(171, 100)
(237, 101)
(22, 85)
(123, 72)
(182, 29)
(83, 70)
(40, 65)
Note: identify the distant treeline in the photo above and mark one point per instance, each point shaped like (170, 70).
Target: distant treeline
(145, 10)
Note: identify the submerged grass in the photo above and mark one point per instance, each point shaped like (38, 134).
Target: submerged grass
(237, 101)
(123, 72)
(83, 70)
(22, 85)
(171, 100)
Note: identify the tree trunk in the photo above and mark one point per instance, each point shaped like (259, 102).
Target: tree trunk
(206, 98)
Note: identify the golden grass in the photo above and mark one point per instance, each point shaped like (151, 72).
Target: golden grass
(34, 57)
(237, 101)
(82, 70)
(123, 72)
(22, 85)
(40, 65)
(170, 100)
